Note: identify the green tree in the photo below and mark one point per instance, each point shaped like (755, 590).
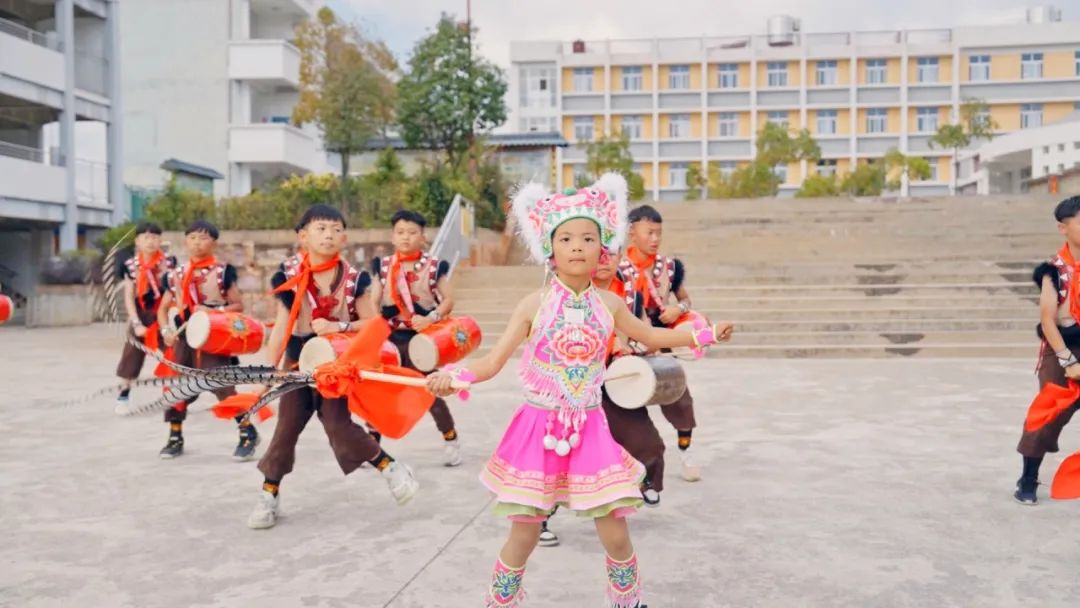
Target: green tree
(448, 94)
(867, 179)
(975, 124)
(775, 146)
(174, 208)
(345, 87)
(817, 186)
(386, 188)
(753, 180)
(695, 182)
(898, 166)
(612, 153)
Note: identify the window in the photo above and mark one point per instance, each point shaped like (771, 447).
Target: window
(538, 124)
(777, 71)
(729, 75)
(1061, 168)
(876, 119)
(583, 128)
(1030, 115)
(979, 67)
(632, 127)
(780, 171)
(826, 168)
(826, 73)
(927, 69)
(933, 171)
(778, 118)
(1061, 147)
(679, 126)
(826, 122)
(926, 120)
(538, 90)
(729, 124)
(632, 79)
(1076, 145)
(583, 79)
(581, 176)
(875, 71)
(982, 117)
(1031, 65)
(727, 167)
(677, 175)
(1046, 149)
(1076, 63)
(679, 77)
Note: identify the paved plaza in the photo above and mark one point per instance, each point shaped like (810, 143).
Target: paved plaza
(828, 483)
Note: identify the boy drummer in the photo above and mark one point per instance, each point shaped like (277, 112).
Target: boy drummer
(202, 283)
(318, 295)
(413, 292)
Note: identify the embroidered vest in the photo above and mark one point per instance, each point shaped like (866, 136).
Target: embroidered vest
(661, 278)
(422, 277)
(208, 284)
(336, 304)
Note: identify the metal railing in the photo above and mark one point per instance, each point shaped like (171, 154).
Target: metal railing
(92, 182)
(34, 155)
(30, 35)
(454, 240)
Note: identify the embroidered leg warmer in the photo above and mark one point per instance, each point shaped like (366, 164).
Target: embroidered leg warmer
(506, 590)
(624, 583)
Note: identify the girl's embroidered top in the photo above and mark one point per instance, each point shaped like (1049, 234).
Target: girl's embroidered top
(562, 368)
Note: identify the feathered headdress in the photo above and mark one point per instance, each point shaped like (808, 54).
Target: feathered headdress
(539, 212)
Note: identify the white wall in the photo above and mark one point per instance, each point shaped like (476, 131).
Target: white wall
(175, 85)
(30, 62)
(31, 181)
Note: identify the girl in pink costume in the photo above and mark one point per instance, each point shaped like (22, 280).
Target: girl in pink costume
(557, 449)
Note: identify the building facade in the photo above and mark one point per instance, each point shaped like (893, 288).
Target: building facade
(1010, 164)
(214, 82)
(58, 74)
(702, 100)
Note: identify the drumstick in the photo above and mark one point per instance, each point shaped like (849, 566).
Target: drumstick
(622, 376)
(457, 385)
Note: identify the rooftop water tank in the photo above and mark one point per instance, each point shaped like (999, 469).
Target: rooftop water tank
(782, 29)
(1043, 14)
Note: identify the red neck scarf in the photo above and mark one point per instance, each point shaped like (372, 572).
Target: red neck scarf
(300, 281)
(643, 277)
(1074, 281)
(147, 277)
(188, 301)
(393, 282)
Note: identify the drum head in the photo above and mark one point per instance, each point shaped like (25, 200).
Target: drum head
(316, 351)
(423, 353)
(632, 382)
(198, 329)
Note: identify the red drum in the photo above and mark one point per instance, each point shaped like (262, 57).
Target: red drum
(7, 307)
(445, 342)
(324, 349)
(224, 333)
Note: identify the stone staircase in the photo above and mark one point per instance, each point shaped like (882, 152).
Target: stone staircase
(945, 277)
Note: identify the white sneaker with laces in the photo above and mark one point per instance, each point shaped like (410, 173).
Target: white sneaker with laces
(690, 469)
(401, 481)
(452, 453)
(264, 515)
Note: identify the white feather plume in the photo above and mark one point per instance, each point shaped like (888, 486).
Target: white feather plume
(615, 186)
(524, 200)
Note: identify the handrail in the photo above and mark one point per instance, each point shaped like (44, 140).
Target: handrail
(28, 34)
(454, 239)
(21, 152)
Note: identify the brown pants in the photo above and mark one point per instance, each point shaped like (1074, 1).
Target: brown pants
(185, 355)
(634, 431)
(680, 413)
(351, 444)
(444, 420)
(131, 358)
(1036, 444)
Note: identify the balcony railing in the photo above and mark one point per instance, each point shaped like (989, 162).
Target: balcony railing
(30, 35)
(34, 155)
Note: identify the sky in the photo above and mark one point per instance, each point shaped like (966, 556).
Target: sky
(401, 22)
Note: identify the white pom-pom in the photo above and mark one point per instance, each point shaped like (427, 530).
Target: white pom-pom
(524, 200)
(562, 448)
(617, 190)
(575, 440)
(549, 442)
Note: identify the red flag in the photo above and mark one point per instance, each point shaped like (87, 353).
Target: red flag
(1066, 484)
(1051, 401)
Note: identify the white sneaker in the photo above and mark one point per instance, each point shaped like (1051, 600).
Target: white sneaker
(651, 497)
(264, 515)
(452, 451)
(123, 407)
(690, 469)
(401, 481)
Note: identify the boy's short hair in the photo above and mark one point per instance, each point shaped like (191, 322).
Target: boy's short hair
(320, 212)
(147, 228)
(645, 212)
(203, 226)
(1067, 208)
(406, 215)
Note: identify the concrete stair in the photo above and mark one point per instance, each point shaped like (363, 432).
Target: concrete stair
(947, 277)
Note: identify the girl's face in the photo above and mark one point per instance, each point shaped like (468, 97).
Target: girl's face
(576, 247)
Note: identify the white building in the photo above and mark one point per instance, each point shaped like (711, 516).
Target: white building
(214, 82)
(701, 101)
(58, 69)
(1006, 164)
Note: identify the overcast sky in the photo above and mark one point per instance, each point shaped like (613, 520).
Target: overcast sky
(401, 22)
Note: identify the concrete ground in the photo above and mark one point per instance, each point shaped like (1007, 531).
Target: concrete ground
(868, 483)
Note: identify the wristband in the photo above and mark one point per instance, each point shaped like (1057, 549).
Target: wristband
(460, 374)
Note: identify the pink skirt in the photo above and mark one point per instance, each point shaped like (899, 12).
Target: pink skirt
(595, 479)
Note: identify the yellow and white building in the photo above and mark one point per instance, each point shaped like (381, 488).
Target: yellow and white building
(689, 101)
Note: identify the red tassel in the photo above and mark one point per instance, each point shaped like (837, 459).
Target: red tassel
(1066, 484)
